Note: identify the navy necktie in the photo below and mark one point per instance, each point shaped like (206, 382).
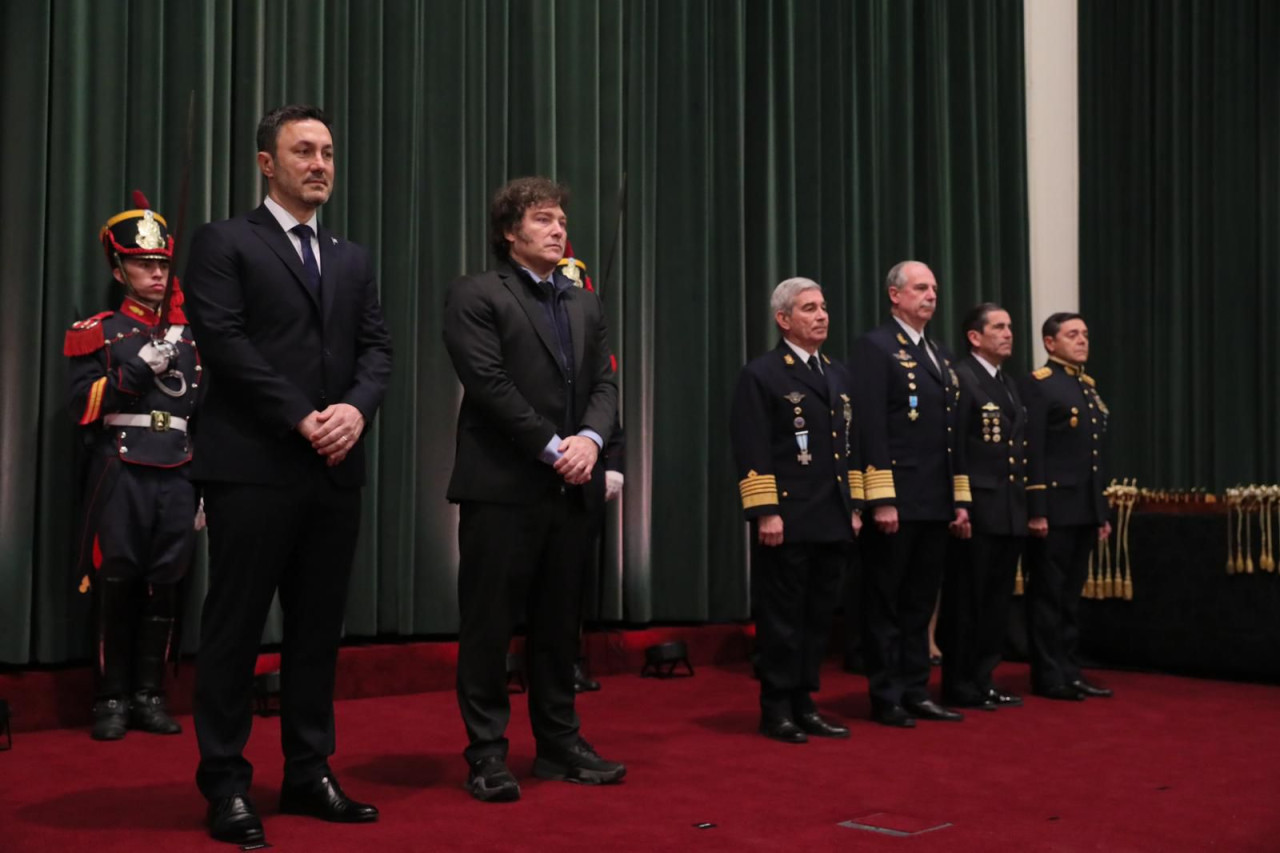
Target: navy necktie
(308, 259)
(814, 365)
(560, 322)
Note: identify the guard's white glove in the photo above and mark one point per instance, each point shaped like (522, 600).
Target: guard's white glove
(159, 355)
(613, 481)
(200, 521)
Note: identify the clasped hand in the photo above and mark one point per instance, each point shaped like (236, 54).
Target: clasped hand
(578, 457)
(333, 431)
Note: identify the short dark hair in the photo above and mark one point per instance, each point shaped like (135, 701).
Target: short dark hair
(269, 127)
(510, 203)
(975, 320)
(1055, 321)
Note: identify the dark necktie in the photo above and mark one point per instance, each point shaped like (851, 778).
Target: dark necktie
(814, 365)
(1004, 383)
(560, 322)
(309, 264)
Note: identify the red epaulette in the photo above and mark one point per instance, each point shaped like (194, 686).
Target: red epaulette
(86, 336)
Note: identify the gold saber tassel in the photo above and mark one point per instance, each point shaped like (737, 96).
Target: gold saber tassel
(1106, 580)
(1018, 583)
(1128, 560)
(1239, 539)
(1231, 558)
(1248, 542)
(1088, 584)
(1268, 549)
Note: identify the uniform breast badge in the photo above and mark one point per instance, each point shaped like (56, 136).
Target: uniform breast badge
(804, 457)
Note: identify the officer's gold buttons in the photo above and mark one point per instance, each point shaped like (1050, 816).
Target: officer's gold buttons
(1012, 478)
(1013, 461)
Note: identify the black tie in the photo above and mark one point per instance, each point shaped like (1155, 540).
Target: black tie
(814, 365)
(309, 264)
(1004, 384)
(560, 322)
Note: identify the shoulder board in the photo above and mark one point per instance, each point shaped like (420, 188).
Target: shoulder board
(1087, 380)
(85, 336)
(1042, 372)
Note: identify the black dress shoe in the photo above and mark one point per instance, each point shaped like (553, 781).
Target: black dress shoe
(783, 729)
(1062, 692)
(324, 799)
(893, 715)
(1091, 689)
(110, 719)
(813, 724)
(978, 703)
(579, 762)
(491, 782)
(1003, 700)
(233, 819)
(929, 710)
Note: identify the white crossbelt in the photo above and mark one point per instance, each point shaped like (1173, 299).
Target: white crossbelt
(148, 421)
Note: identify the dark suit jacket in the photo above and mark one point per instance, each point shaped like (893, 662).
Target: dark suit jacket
(515, 391)
(910, 458)
(1066, 421)
(993, 442)
(778, 397)
(275, 354)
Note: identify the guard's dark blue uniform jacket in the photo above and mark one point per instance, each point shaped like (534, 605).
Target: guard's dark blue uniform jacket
(128, 415)
(907, 426)
(1066, 423)
(794, 442)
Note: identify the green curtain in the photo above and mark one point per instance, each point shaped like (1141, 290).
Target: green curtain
(759, 140)
(1179, 256)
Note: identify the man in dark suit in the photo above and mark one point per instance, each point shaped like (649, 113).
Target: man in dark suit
(793, 441)
(297, 365)
(539, 403)
(1066, 420)
(906, 399)
(978, 586)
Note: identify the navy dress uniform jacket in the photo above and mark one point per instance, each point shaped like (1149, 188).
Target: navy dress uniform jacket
(993, 424)
(1066, 423)
(778, 397)
(907, 427)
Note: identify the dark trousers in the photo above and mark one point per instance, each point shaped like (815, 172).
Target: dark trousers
(797, 586)
(145, 527)
(1057, 568)
(520, 560)
(977, 592)
(902, 572)
(298, 540)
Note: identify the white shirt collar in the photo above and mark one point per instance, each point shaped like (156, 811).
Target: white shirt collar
(286, 219)
(911, 333)
(801, 352)
(991, 368)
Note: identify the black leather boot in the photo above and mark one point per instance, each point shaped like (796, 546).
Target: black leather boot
(113, 628)
(154, 637)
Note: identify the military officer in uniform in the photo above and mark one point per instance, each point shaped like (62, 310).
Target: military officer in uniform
(794, 444)
(1066, 420)
(134, 380)
(917, 490)
(978, 586)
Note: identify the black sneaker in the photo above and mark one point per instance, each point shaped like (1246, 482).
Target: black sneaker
(491, 782)
(579, 763)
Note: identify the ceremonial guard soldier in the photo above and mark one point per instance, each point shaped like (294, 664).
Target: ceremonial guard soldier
(917, 489)
(801, 487)
(134, 377)
(977, 589)
(1066, 422)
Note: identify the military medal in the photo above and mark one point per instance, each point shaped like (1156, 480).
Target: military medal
(799, 423)
(848, 422)
(913, 401)
(802, 441)
(794, 398)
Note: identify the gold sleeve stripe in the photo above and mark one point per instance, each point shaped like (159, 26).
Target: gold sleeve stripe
(855, 486)
(759, 490)
(878, 486)
(1040, 487)
(963, 492)
(94, 405)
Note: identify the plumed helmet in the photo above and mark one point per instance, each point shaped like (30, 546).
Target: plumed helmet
(136, 233)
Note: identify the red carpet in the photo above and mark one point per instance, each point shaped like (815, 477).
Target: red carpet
(1169, 765)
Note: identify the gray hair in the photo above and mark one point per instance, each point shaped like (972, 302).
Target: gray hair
(897, 277)
(784, 295)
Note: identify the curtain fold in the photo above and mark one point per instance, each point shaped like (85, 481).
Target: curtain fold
(759, 140)
(1179, 261)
